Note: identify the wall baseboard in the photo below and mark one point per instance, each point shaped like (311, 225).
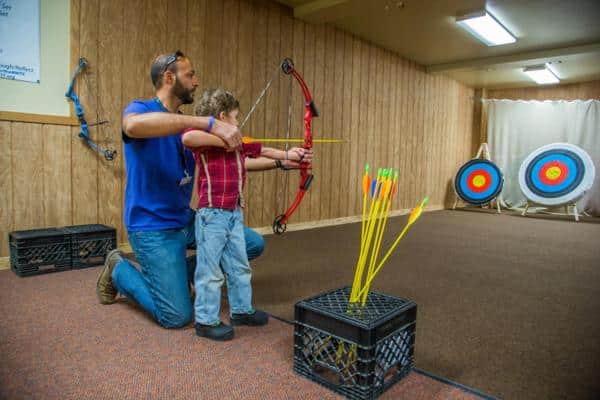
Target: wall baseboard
(267, 230)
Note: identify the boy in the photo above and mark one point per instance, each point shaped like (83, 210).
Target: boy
(219, 219)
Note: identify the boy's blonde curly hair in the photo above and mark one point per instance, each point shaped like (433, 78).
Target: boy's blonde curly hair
(214, 101)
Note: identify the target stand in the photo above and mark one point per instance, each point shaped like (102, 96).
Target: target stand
(479, 181)
(556, 175)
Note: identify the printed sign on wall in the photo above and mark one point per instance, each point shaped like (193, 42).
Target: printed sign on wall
(20, 40)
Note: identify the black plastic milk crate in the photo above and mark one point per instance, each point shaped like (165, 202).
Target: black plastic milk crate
(357, 352)
(37, 251)
(91, 243)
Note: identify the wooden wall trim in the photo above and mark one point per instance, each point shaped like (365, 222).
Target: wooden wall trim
(38, 118)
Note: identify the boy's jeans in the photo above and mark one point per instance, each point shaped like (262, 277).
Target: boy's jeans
(162, 286)
(221, 249)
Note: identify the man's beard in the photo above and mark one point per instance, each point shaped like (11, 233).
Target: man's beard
(186, 96)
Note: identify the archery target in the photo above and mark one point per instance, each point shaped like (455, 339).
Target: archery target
(478, 182)
(556, 174)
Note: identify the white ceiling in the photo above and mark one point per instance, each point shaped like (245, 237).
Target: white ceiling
(564, 33)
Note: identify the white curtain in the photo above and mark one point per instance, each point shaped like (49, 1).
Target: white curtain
(515, 128)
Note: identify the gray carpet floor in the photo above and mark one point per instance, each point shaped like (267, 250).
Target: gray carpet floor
(508, 305)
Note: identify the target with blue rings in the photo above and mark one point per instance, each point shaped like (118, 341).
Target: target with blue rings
(478, 182)
(556, 174)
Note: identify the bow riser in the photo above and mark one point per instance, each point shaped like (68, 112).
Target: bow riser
(308, 116)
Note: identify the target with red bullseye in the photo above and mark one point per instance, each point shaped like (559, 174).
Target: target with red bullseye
(556, 174)
(478, 182)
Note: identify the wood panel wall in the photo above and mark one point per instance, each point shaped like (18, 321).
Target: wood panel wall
(391, 112)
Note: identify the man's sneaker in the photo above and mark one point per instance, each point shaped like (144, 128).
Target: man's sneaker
(105, 289)
(253, 318)
(220, 331)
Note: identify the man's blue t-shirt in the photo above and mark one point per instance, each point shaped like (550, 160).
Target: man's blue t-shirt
(157, 195)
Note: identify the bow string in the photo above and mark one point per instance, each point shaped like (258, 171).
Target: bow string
(310, 111)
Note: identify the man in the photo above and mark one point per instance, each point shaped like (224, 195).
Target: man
(159, 222)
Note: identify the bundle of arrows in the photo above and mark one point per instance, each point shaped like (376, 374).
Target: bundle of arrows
(379, 194)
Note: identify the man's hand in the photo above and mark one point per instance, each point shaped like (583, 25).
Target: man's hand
(229, 133)
(300, 154)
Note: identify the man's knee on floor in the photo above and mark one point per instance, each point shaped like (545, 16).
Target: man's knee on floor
(255, 247)
(174, 320)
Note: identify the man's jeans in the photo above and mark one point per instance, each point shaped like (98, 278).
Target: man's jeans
(162, 286)
(221, 250)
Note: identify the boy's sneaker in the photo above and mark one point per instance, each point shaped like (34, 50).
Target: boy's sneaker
(105, 289)
(253, 318)
(220, 331)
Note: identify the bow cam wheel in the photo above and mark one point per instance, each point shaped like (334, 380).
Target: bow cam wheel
(287, 66)
(278, 227)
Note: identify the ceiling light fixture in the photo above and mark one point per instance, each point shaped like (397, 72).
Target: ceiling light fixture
(541, 74)
(486, 28)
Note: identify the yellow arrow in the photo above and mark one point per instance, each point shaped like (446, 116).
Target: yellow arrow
(248, 139)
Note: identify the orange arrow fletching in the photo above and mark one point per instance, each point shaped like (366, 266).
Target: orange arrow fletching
(416, 212)
(366, 184)
(387, 186)
(394, 186)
